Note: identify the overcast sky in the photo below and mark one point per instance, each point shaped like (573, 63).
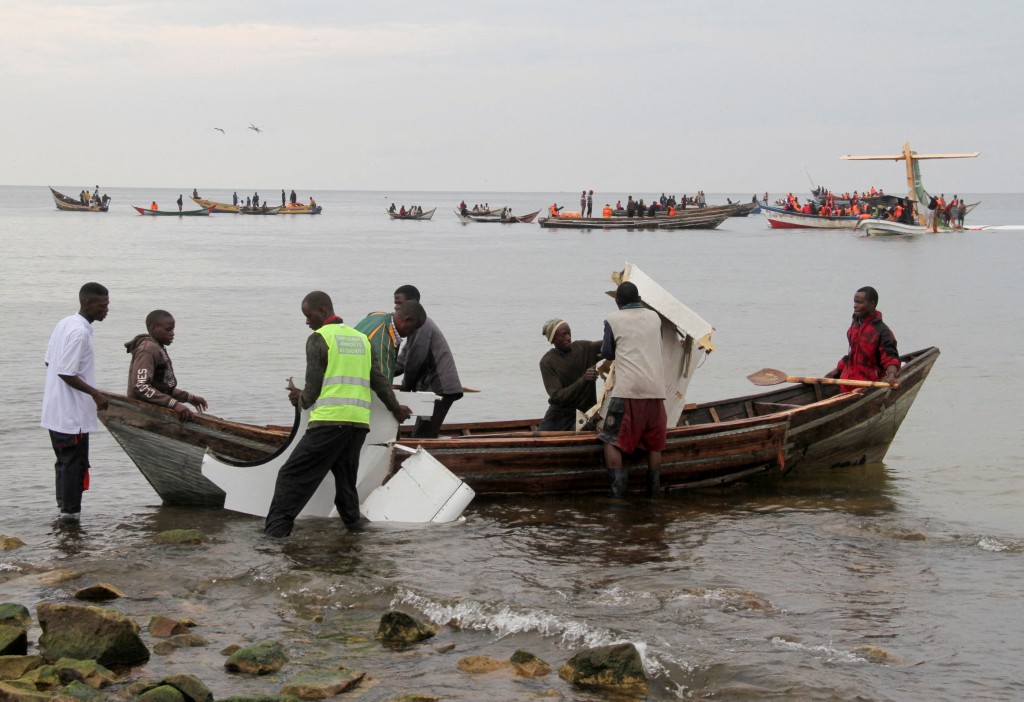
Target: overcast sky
(520, 96)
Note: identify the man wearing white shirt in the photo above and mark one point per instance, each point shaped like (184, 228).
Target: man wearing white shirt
(70, 398)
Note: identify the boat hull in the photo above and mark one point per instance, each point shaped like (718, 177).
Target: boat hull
(425, 215)
(779, 218)
(794, 428)
(217, 207)
(68, 204)
(171, 213)
(301, 210)
(707, 218)
(881, 227)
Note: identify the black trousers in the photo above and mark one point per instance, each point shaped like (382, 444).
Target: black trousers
(322, 449)
(72, 451)
(430, 428)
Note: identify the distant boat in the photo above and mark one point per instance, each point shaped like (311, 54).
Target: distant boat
(69, 204)
(885, 227)
(694, 218)
(780, 218)
(493, 216)
(419, 215)
(173, 213)
(299, 208)
(218, 207)
(261, 210)
(745, 208)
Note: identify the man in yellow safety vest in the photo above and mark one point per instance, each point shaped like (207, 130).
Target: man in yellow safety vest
(340, 376)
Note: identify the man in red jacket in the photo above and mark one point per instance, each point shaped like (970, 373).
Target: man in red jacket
(873, 354)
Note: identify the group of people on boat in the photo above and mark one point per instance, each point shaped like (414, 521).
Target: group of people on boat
(464, 209)
(666, 204)
(414, 210)
(93, 199)
(821, 192)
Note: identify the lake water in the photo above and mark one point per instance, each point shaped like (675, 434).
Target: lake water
(763, 591)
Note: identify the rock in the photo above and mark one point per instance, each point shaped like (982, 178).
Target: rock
(79, 691)
(321, 684)
(13, 640)
(616, 667)
(165, 627)
(162, 693)
(90, 672)
(190, 686)
(414, 697)
(228, 650)
(163, 648)
(99, 592)
(399, 628)
(13, 692)
(259, 698)
(875, 654)
(9, 543)
(479, 665)
(14, 667)
(445, 648)
(528, 665)
(181, 536)
(261, 658)
(89, 633)
(44, 677)
(188, 621)
(15, 615)
(188, 640)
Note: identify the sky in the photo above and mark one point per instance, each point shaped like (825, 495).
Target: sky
(523, 96)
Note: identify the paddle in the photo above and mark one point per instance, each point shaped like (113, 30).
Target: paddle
(773, 376)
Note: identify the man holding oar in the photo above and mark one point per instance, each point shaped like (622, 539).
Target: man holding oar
(873, 354)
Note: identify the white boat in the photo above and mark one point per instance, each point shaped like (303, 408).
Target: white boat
(780, 218)
(884, 227)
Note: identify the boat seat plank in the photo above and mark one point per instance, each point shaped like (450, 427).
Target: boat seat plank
(763, 408)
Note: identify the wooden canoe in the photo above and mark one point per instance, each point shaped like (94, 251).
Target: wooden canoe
(802, 427)
(779, 218)
(173, 213)
(261, 210)
(298, 209)
(217, 207)
(705, 218)
(427, 214)
(497, 218)
(70, 204)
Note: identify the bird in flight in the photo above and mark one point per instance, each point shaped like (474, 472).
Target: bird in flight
(220, 130)
(255, 128)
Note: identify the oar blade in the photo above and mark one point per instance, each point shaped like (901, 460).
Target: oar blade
(767, 376)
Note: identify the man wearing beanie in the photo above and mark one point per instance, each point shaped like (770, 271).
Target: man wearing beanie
(569, 376)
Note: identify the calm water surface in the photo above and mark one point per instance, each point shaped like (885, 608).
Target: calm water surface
(896, 581)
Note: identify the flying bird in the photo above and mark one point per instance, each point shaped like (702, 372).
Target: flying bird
(220, 130)
(255, 128)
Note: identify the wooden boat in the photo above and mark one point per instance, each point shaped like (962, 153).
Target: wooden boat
(507, 219)
(885, 227)
(744, 209)
(217, 207)
(780, 218)
(299, 208)
(802, 427)
(706, 218)
(261, 210)
(173, 213)
(422, 215)
(69, 204)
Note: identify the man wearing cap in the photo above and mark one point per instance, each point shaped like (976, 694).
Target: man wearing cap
(569, 376)
(635, 416)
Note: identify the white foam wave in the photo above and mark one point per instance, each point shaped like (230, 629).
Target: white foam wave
(990, 543)
(827, 651)
(10, 567)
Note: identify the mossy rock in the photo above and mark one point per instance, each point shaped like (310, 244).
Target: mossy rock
(22, 692)
(9, 543)
(181, 536)
(99, 592)
(14, 667)
(481, 665)
(13, 640)
(45, 677)
(529, 665)
(260, 658)
(162, 693)
(80, 691)
(616, 667)
(13, 614)
(89, 672)
(321, 684)
(399, 628)
(190, 686)
(89, 633)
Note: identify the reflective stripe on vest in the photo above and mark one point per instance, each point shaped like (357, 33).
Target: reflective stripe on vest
(345, 394)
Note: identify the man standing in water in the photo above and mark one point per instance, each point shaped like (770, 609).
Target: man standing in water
(70, 398)
(635, 417)
(339, 378)
(873, 354)
(569, 376)
(426, 363)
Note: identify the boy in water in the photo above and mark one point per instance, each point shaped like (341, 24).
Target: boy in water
(151, 375)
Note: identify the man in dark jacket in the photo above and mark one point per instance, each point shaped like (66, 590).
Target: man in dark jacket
(569, 374)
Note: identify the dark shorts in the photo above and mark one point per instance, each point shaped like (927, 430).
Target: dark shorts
(631, 424)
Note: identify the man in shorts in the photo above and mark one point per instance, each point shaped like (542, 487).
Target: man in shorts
(635, 417)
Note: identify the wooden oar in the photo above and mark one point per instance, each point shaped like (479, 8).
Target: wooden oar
(773, 376)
